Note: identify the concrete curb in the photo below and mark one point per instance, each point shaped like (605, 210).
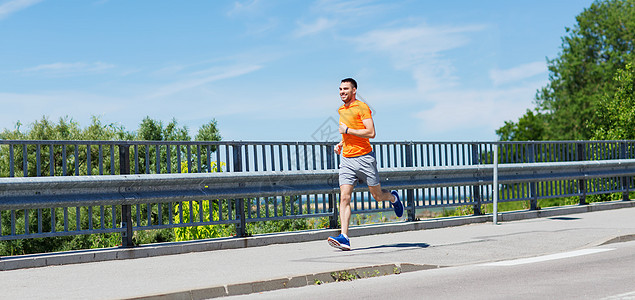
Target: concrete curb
(619, 239)
(564, 210)
(96, 255)
(290, 282)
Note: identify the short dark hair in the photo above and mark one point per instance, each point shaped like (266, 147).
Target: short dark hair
(351, 80)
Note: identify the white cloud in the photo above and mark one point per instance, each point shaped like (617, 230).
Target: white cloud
(245, 7)
(420, 50)
(211, 76)
(442, 107)
(128, 108)
(484, 109)
(10, 7)
(256, 16)
(517, 73)
(69, 69)
(353, 8)
(332, 13)
(318, 26)
(77, 105)
(262, 27)
(417, 41)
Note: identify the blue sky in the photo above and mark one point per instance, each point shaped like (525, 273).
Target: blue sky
(270, 69)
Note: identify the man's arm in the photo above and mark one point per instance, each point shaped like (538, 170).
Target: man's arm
(368, 132)
(338, 147)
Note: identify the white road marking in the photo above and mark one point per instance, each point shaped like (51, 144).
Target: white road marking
(530, 260)
(625, 296)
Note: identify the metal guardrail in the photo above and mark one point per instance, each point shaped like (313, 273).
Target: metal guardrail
(51, 192)
(125, 190)
(66, 158)
(261, 181)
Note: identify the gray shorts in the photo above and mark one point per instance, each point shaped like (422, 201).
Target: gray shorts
(360, 169)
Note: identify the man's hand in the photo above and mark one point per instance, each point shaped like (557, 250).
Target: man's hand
(368, 132)
(343, 128)
(338, 147)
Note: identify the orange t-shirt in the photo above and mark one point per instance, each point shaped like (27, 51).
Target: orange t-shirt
(352, 117)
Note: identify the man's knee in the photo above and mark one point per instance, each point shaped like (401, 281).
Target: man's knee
(345, 193)
(376, 192)
(345, 198)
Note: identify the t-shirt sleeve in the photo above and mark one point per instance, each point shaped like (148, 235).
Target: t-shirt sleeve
(364, 112)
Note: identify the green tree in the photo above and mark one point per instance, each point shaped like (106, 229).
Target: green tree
(206, 210)
(153, 130)
(65, 129)
(68, 129)
(99, 131)
(208, 132)
(150, 130)
(172, 132)
(614, 118)
(530, 127)
(599, 44)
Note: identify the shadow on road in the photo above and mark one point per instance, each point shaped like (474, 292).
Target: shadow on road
(400, 245)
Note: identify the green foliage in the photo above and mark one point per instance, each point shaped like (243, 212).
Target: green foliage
(193, 211)
(530, 127)
(601, 43)
(54, 244)
(278, 226)
(152, 130)
(284, 225)
(68, 129)
(343, 276)
(208, 132)
(151, 236)
(365, 219)
(98, 131)
(192, 214)
(463, 210)
(615, 115)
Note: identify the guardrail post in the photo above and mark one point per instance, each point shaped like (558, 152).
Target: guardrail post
(533, 193)
(126, 210)
(410, 194)
(240, 203)
(580, 153)
(495, 187)
(626, 182)
(476, 191)
(330, 164)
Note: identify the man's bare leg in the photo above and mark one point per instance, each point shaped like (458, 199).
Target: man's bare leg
(346, 190)
(385, 195)
(381, 194)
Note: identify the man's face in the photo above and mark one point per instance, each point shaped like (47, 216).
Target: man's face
(347, 92)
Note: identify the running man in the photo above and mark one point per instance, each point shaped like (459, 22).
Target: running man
(358, 162)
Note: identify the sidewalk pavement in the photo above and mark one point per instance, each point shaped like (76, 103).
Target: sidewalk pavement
(304, 258)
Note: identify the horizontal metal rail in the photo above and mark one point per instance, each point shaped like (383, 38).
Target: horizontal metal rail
(33, 158)
(57, 188)
(49, 192)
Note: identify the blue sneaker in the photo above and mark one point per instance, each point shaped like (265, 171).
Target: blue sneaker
(397, 205)
(340, 242)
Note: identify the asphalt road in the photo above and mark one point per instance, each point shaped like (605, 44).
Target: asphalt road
(605, 272)
(471, 261)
